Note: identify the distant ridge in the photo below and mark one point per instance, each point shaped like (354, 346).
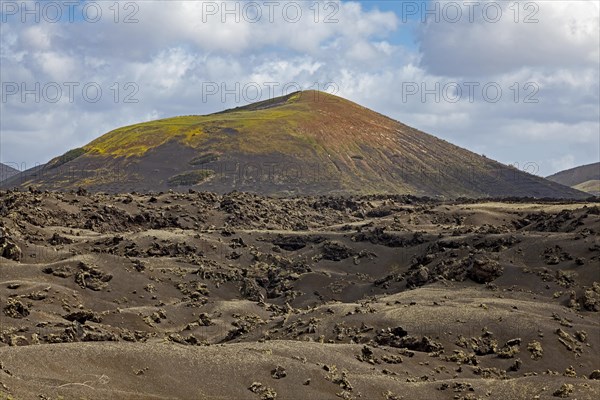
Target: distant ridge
(7, 171)
(585, 178)
(304, 143)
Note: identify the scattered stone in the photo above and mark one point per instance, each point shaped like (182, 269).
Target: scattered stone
(516, 365)
(536, 350)
(564, 391)
(581, 336)
(61, 271)
(595, 374)
(485, 344)
(204, 320)
(389, 395)
(591, 298)
(336, 251)
(8, 248)
(57, 239)
(568, 341)
(91, 277)
(461, 357)
(82, 316)
(296, 242)
(16, 309)
(418, 277)
(255, 387)
(250, 290)
(391, 359)
(510, 349)
(266, 393)
(278, 373)
(488, 373)
(398, 337)
(484, 270)
(343, 381)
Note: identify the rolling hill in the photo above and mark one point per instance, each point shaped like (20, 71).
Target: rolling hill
(307, 142)
(585, 178)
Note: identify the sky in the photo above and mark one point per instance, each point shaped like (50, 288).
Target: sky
(516, 81)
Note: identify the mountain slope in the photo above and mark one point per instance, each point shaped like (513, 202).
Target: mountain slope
(7, 171)
(592, 187)
(305, 143)
(585, 178)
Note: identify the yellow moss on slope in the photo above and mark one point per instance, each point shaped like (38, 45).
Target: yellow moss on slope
(263, 130)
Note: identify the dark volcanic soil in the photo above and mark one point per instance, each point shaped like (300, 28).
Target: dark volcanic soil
(204, 296)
